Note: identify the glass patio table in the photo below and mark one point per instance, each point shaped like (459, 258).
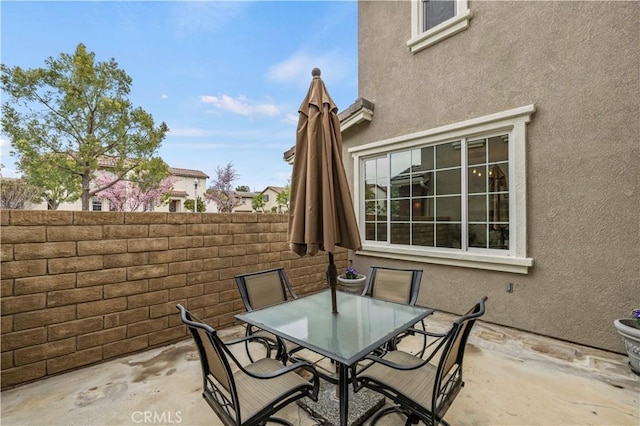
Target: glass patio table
(361, 325)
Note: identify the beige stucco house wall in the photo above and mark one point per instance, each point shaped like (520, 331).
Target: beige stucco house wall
(270, 194)
(567, 74)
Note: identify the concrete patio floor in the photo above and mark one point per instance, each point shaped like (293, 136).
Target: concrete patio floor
(512, 378)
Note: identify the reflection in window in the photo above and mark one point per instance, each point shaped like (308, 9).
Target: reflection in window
(418, 196)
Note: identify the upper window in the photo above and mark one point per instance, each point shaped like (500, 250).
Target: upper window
(96, 204)
(448, 195)
(435, 20)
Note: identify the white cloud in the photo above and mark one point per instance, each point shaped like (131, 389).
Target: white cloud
(290, 118)
(164, 96)
(240, 105)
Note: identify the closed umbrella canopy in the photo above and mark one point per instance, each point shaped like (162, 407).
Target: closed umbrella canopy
(321, 214)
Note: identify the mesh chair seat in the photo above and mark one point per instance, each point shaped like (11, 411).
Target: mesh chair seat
(423, 386)
(247, 394)
(255, 394)
(418, 387)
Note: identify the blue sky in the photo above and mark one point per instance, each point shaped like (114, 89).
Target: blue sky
(226, 77)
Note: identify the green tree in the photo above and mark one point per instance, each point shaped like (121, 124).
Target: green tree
(283, 198)
(202, 207)
(257, 203)
(69, 115)
(242, 188)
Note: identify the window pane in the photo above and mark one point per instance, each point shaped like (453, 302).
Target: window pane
(478, 236)
(370, 210)
(499, 148)
(422, 159)
(401, 186)
(370, 191)
(370, 231)
(477, 179)
(420, 187)
(382, 168)
(499, 237)
(447, 155)
(448, 235)
(477, 153)
(498, 207)
(437, 11)
(422, 209)
(478, 208)
(422, 234)
(448, 209)
(400, 233)
(499, 177)
(400, 163)
(381, 232)
(448, 182)
(369, 170)
(401, 209)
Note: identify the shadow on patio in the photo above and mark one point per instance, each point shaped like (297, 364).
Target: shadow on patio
(512, 378)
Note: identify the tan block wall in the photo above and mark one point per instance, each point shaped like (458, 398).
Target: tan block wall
(79, 288)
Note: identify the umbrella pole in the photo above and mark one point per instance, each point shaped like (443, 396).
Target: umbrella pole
(332, 277)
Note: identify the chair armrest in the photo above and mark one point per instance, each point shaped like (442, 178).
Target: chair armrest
(266, 341)
(391, 364)
(427, 332)
(304, 365)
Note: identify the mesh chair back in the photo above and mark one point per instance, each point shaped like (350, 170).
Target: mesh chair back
(211, 353)
(462, 328)
(264, 289)
(394, 285)
(214, 362)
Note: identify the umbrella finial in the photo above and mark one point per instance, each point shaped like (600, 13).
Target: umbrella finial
(315, 73)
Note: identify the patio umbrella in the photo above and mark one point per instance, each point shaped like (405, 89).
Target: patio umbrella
(321, 213)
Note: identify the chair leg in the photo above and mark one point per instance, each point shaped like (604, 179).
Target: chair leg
(383, 412)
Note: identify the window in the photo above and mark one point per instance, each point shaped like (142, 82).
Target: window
(434, 20)
(96, 205)
(265, 197)
(448, 195)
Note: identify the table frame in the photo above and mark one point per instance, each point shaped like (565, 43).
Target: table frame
(343, 363)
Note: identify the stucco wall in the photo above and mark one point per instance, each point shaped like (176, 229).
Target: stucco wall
(79, 288)
(578, 63)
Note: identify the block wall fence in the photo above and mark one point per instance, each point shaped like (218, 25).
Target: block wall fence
(80, 288)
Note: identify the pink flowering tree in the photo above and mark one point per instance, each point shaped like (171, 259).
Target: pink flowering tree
(128, 195)
(221, 190)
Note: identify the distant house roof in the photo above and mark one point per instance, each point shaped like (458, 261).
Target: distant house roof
(244, 194)
(179, 194)
(276, 189)
(188, 173)
(108, 161)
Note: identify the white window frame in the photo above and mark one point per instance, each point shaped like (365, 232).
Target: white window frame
(421, 39)
(513, 122)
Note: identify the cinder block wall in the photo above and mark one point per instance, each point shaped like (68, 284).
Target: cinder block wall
(79, 288)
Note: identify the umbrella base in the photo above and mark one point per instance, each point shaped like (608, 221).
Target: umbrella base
(362, 405)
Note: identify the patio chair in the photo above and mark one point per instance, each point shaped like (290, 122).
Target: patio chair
(422, 391)
(250, 394)
(394, 285)
(262, 289)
